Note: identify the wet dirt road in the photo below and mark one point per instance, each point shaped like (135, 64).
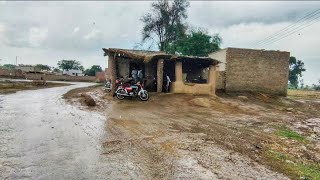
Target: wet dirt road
(42, 137)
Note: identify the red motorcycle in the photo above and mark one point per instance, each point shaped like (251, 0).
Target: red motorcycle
(128, 90)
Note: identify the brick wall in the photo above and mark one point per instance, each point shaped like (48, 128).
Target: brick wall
(257, 70)
(11, 73)
(221, 80)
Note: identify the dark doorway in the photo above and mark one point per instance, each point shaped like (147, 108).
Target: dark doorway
(168, 68)
(137, 66)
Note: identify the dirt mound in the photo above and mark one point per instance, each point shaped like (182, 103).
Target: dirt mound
(202, 102)
(88, 100)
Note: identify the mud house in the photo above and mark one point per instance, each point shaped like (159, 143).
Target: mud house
(195, 75)
(28, 68)
(252, 70)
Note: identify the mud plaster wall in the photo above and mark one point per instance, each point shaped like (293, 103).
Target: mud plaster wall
(220, 56)
(192, 88)
(107, 72)
(160, 75)
(257, 70)
(150, 73)
(123, 67)
(112, 70)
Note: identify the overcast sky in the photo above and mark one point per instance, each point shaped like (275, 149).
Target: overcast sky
(46, 32)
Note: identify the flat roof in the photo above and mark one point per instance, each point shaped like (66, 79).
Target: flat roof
(248, 49)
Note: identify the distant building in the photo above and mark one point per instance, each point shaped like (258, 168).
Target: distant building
(73, 72)
(28, 68)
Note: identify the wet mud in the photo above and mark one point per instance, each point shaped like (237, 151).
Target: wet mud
(230, 136)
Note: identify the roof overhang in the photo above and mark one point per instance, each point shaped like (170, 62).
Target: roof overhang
(147, 56)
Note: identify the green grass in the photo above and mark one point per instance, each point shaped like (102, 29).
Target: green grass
(296, 170)
(288, 133)
(294, 167)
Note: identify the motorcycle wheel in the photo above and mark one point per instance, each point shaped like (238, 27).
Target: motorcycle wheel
(144, 96)
(119, 94)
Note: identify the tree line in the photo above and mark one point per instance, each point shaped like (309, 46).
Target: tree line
(61, 66)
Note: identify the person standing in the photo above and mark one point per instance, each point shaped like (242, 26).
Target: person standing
(140, 75)
(168, 82)
(134, 73)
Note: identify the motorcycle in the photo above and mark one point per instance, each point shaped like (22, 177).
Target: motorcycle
(108, 85)
(127, 90)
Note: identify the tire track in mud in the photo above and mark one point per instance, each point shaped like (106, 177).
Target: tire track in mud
(194, 133)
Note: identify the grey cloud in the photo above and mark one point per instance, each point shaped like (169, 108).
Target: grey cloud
(222, 14)
(117, 24)
(100, 24)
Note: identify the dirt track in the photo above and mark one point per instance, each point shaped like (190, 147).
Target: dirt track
(169, 137)
(42, 137)
(194, 137)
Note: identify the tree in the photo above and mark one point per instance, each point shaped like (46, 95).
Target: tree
(317, 86)
(9, 66)
(92, 71)
(57, 70)
(165, 22)
(70, 64)
(301, 82)
(296, 67)
(43, 67)
(197, 43)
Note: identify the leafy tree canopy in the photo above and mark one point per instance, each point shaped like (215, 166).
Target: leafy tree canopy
(92, 71)
(43, 67)
(8, 66)
(165, 23)
(197, 43)
(317, 86)
(70, 64)
(57, 70)
(296, 67)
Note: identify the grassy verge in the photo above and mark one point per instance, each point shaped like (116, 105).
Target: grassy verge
(288, 133)
(284, 156)
(303, 94)
(291, 166)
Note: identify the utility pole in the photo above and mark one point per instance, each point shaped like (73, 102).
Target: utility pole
(16, 60)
